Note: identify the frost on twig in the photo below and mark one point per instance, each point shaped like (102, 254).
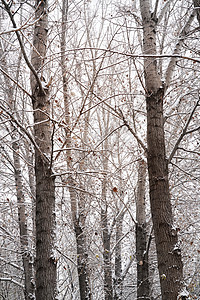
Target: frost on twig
(184, 294)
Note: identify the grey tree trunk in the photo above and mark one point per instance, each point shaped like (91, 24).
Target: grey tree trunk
(143, 286)
(108, 291)
(77, 202)
(197, 8)
(82, 260)
(26, 253)
(168, 252)
(108, 287)
(118, 283)
(118, 279)
(31, 176)
(45, 182)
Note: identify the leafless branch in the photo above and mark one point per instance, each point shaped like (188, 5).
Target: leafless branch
(23, 49)
(183, 34)
(10, 279)
(184, 132)
(136, 55)
(133, 133)
(25, 131)
(163, 10)
(7, 75)
(65, 256)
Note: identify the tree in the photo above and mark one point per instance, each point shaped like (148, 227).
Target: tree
(78, 199)
(142, 247)
(168, 252)
(82, 122)
(106, 234)
(45, 181)
(197, 8)
(25, 237)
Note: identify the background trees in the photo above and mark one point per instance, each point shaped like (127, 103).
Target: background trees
(81, 121)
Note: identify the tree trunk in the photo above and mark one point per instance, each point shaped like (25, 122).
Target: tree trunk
(31, 176)
(27, 258)
(108, 288)
(118, 280)
(106, 256)
(143, 288)
(168, 252)
(45, 182)
(26, 253)
(118, 284)
(82, 261)
(197, 8)
(77, 202)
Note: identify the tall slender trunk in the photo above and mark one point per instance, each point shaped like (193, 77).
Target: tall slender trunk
(108, 287)
(118, 284)
(106, 255)
(77, 203)
(45, 182)
(82, 260)
(27, 258)
(143, 288)
(31, 177)
(168, 252)
(26, 253)
(197, 8)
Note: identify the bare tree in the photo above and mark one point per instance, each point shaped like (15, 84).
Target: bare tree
(106, 238)
(168, 250)
(197, 8)
(45, 182)
(77, 198)
(142, 247)
(27, 255)
(92, 142)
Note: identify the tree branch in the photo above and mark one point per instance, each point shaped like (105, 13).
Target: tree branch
(7, 75)
(136, 55)
(183, 34)
(133, 133)
(12, 281)
(7, 8)
(163, 10)
(26, 132)
(184, 132)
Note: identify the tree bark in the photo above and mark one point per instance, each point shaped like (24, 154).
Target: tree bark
(27, 258)
(118, 283)
(31, 176)
(197, 8)
(168, 251)
(77, 202)
(108, 287)
(82, 261)
(108, 291)
(143, 286)
(45, 182)
(26, 253)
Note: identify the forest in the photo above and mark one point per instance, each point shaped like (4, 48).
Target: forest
(99, 149)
